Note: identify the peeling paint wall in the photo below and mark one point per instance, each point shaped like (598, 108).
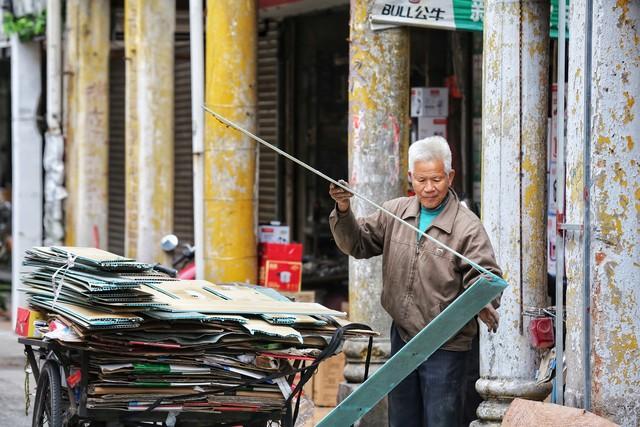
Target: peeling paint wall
(515, 79)
(378, 137)
(155, 155)
(614, 251)
(230, 157)
(88, 167)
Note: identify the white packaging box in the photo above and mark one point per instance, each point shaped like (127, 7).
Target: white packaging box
(432, 126)
(429, 102)
(273, 233)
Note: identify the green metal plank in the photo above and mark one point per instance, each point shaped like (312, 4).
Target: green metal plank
(423, 345)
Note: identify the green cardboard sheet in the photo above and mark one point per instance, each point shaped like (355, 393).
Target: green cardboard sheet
(423, 345)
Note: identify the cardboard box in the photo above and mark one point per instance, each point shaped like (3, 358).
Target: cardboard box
(326, 381)
(432, 126)
(280, 251)
(25, 324)
(283, 275)
(273, 233)
(429, 102)
(280, 266)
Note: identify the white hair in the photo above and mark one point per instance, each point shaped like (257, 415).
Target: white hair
(430, 149)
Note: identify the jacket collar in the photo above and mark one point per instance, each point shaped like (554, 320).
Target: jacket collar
(445, 220)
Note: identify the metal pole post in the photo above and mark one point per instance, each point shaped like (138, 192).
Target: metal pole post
(560, 217)
(196, 32)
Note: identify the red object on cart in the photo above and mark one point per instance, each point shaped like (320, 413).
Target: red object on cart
(541, 332)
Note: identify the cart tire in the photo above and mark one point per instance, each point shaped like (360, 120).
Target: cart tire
(48, 408)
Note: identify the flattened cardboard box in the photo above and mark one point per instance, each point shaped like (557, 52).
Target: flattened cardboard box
(326, 381)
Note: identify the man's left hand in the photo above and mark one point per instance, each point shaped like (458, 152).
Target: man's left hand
(489, 317)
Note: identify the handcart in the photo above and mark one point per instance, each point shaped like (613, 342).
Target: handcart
(61, 375)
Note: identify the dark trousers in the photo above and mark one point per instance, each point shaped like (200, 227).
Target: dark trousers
(431, 395)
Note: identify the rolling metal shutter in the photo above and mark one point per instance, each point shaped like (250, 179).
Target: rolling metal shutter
(183, 166)
(268, 121)
(116, 153)
(183, 184)
(183, 172)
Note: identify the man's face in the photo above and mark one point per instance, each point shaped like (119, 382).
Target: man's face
(430, 182)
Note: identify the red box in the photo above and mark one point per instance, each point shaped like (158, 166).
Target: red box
(281, 266)
(25, 324)
(541, 332)
(281, 251)
(283, 275)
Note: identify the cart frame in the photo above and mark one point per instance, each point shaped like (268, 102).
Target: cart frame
(39, 352)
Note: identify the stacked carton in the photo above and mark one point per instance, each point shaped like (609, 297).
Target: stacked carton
(430, 108)
(159, 344)
(280, 261)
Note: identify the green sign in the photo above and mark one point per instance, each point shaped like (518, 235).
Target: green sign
(442, 14)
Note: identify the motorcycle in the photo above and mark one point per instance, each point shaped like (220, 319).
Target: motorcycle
(183, 261)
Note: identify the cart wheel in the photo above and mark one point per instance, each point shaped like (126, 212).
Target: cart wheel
(48, 408)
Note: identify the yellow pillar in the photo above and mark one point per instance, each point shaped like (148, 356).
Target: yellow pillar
(131, 16)
(230, 157)
(87, 171)
(149, 150)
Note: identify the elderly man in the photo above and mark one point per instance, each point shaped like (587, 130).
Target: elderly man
(420, 278)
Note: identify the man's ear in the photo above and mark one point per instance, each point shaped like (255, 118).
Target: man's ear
(452, 174)
(409, 175)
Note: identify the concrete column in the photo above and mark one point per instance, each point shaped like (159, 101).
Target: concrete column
(131, 17)
(87, 174)
(53, 158)
(378, 143)
(574, 208)
(70, 108)
(514, 118)
(230, 157)
(150, 105)
(612, 182)
(26, 142)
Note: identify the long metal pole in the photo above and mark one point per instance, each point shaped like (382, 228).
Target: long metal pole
(586, 236)
(559, 381)
(344, 186)
(54, 65)
(197, 118)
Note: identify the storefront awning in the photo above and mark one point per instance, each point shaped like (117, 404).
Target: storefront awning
(441, 14)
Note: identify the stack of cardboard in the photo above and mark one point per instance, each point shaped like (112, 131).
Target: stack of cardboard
(174, 345)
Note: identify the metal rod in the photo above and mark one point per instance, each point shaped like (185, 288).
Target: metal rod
(344, 186)
(197, 120)
(586, 236)
(560, 215)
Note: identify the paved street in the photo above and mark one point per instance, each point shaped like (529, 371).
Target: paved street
(12, 376)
